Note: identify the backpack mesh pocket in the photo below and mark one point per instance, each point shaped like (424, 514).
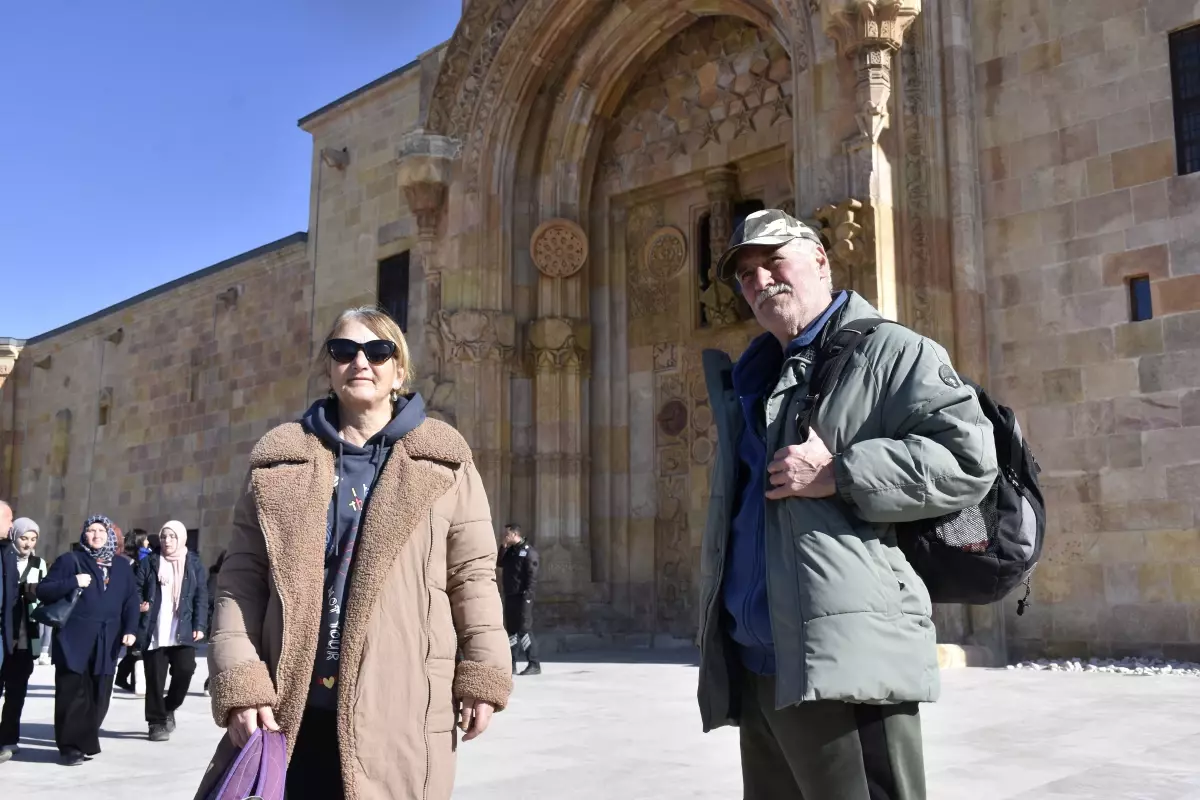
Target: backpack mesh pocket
(971, 530)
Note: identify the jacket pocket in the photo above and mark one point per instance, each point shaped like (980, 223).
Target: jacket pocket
(441, 701)
(914, 597)
(844, 568)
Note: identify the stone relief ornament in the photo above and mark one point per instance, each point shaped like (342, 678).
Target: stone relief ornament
(476, 335)
(848, 231)
(558, 343)
(559, 248)
(665, 253)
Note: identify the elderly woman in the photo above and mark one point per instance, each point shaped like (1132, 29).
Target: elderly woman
(357, 608)
(85, 649)
(173, 584)
(18, 666)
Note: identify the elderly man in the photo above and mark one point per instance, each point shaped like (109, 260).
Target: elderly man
(816, 634)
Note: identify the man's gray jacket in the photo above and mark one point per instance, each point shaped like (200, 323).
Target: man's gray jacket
(851, 620)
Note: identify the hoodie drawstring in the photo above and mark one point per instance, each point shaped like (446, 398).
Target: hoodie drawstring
(337, 504)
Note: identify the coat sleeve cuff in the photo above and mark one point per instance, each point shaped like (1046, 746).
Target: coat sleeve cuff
(841, 477)
(482, 682)
(247, 685)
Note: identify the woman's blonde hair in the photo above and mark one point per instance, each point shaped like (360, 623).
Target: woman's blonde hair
(380, 324)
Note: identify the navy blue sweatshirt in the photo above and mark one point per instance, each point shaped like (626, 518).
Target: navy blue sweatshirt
(744, 588)
(357, 469)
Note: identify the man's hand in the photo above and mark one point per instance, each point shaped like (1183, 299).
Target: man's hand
(197, 635)
(475, 717)
(144, 607)
(128, 639)
(802, 470)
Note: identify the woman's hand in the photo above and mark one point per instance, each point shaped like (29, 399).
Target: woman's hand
(197, 635)
(474, 717)
(128, 639)
(243, 722)
(84, 580)
(144, 607)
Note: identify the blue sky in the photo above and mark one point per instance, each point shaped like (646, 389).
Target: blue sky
(145, 139)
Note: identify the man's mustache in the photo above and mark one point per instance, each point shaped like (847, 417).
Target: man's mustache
(771, 291)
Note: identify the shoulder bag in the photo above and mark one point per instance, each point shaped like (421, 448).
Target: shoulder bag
(56, 614)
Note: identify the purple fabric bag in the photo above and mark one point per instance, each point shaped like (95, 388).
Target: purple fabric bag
(258, 772)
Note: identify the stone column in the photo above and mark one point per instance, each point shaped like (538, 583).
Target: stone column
(722, 305)
(986, 623)
(558, 347)
(466, 353)
(870, 31)
(424, 164)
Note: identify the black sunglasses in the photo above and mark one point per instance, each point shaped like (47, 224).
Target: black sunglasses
(344, 351)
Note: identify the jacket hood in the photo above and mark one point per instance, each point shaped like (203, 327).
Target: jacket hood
(322, 420)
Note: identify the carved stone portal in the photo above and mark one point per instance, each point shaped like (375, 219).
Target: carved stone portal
(559, 248)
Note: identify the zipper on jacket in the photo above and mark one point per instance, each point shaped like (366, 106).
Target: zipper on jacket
(428, 650)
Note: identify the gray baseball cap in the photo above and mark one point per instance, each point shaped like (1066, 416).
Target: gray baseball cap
(768, 228)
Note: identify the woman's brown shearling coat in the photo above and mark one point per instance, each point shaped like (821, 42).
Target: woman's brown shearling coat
(423, 590)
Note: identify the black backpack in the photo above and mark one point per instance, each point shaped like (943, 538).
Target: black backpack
(980, 554)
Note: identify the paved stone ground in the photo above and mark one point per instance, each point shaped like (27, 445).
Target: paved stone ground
(617, 726)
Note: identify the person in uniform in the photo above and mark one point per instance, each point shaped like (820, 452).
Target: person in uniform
(519, 560)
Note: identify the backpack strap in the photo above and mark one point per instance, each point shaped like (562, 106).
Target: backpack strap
(829, 362)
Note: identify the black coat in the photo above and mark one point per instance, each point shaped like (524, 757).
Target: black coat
(520, 565)
(193, 601)
(10, 596)
(101, 617)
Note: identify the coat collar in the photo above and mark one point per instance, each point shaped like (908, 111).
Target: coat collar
(432, 440)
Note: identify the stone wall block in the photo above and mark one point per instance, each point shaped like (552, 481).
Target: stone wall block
(1113, 379)
(1150, 261)
(1176, 295)
(1105, 213)
(1125, 451)
(1158, 373)
(1173, 447)
(1147, 412)
(1144, 164)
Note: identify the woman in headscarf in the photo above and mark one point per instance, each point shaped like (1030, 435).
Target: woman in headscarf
(357, 608)
(85, 649)
(18, 667)
(174, 585)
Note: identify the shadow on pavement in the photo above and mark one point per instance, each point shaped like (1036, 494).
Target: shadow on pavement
(684, 656)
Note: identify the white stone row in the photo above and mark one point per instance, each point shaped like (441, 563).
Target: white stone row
(1124, 666)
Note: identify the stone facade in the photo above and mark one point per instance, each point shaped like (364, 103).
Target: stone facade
(147, 412)
(1077, 156)
(563, 172)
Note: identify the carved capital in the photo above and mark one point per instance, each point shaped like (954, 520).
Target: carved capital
(472, 335)
(423, 172)
(870, 30)
(848, 230)
(559, 343)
